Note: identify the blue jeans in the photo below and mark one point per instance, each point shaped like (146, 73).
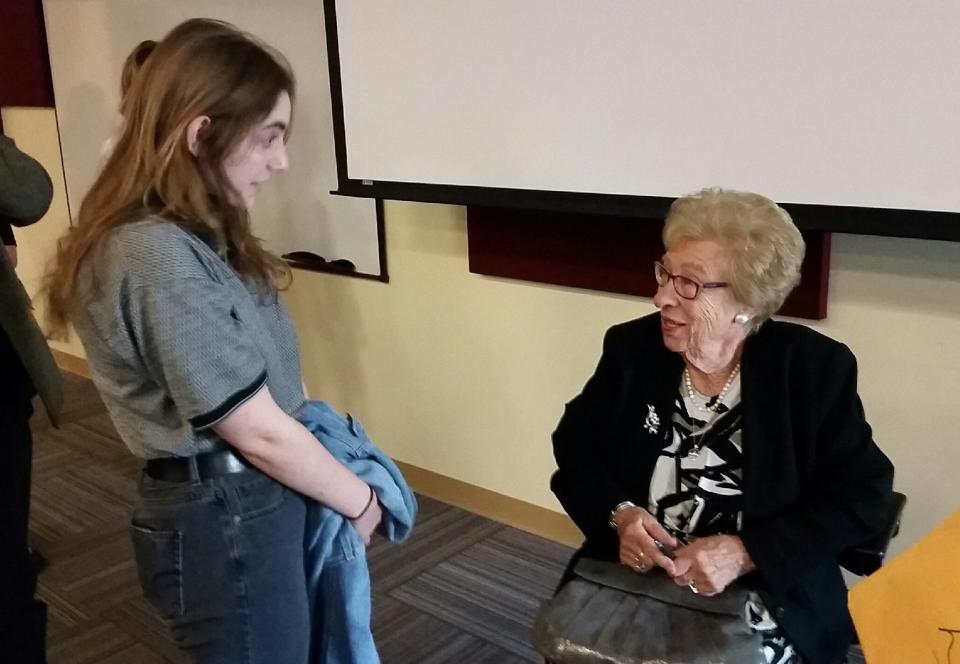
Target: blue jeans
(222, 561)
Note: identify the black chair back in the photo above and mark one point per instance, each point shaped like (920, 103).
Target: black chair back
(868, 557)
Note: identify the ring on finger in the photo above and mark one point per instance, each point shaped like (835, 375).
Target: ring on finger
(693, 588)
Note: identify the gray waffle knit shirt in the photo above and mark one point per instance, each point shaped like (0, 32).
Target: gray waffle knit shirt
(176, 340)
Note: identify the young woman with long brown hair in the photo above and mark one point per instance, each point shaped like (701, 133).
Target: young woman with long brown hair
(194, 354)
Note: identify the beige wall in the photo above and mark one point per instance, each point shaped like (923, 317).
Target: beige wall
(467, 375)
(35, 132)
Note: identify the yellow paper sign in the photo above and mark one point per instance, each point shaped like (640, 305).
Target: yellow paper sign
(908, 612)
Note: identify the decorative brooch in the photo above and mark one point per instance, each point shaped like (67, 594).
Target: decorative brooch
(652, 421)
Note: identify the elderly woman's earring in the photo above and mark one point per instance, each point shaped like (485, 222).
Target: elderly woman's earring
(741, 319)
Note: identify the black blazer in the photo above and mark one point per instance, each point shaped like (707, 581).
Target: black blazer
(814, 482)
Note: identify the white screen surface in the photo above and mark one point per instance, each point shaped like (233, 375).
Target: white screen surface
(818, 102)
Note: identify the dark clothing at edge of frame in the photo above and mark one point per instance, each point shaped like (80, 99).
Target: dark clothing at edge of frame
(25, 366)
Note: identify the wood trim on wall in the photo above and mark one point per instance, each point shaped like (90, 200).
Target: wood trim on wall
(71, 363)
(511, 511)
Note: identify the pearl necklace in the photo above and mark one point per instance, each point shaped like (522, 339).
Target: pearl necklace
(715, 408)
(699, 440)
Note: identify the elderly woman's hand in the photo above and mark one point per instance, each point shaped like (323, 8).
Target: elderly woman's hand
(639, 533)
(710, 564)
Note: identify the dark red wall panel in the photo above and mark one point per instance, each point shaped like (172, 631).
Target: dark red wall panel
(611, 254)
(24, 63)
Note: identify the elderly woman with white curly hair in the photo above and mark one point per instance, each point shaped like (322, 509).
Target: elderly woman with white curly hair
(718, 444)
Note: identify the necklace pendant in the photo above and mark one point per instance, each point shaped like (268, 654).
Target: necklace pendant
(693, 453)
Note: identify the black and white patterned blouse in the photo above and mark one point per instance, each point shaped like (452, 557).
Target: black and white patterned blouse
(695, 490)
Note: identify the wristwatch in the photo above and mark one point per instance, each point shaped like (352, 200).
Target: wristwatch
(613, 513)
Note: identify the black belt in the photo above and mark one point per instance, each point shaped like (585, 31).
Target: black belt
(199, 467)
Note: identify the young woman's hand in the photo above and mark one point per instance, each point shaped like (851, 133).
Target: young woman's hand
(368, 521)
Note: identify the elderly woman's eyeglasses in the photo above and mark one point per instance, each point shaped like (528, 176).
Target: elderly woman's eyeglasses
(686, 287)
